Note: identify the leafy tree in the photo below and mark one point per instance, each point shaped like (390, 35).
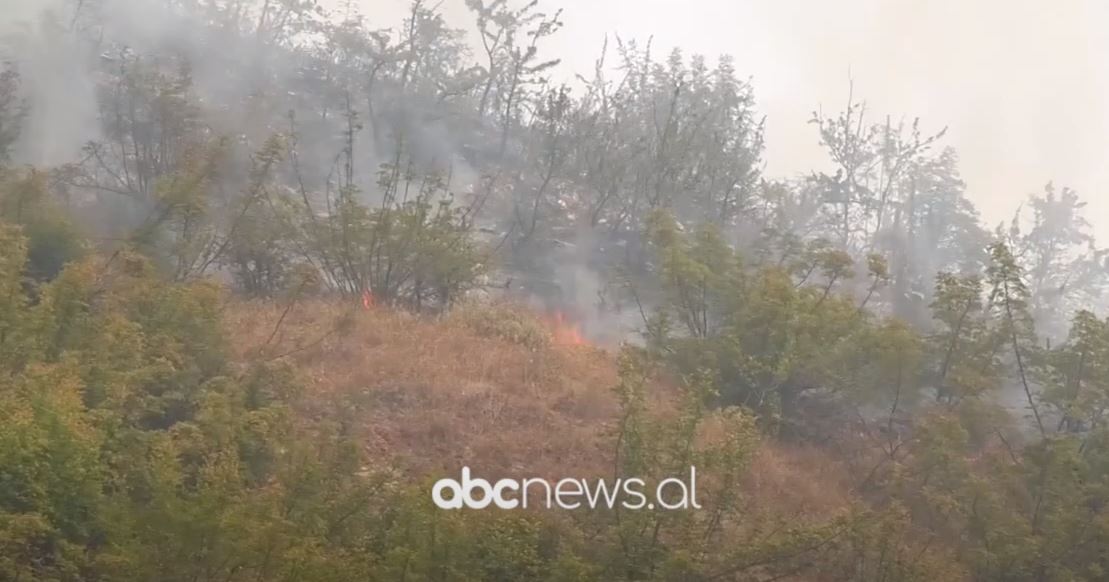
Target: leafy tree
(1075, 377)
(1057, 251)
(963, 344)
(12, 111)
(53, 239)
(1009, 298)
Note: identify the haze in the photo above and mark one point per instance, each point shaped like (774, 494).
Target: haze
(1021, 84)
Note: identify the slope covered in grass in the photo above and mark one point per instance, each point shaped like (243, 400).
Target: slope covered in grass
(492, 388)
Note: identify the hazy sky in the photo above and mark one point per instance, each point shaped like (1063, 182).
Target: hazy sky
(1023, 85)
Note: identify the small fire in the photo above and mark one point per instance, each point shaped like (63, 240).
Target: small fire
(566, 333)
(367, 300)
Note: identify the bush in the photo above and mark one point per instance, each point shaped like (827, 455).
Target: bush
(504, 322)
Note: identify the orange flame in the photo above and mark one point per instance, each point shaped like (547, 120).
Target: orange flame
(367, 300)
(566, 333)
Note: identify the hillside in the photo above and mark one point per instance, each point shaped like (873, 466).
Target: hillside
(275, 275)
(431, 396)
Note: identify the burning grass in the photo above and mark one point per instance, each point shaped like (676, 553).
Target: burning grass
(565, 332)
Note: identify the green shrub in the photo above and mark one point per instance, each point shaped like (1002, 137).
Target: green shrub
(504, 322)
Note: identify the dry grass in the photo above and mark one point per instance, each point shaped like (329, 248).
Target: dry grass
(432, 396)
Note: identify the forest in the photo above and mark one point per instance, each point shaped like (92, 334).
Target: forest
(269, 268)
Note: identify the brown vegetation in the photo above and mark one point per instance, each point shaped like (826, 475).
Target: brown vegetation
(432, 396)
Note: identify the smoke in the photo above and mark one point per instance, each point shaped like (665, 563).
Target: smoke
(594, 293)
(54, 69)
(59, 59)
(1023, 85)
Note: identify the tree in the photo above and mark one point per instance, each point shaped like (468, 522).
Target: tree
(1009, 300)
(12, 111)
(871, 163)
(1075, 376)
(28, 201)
(1057, 251)
(963, 344)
